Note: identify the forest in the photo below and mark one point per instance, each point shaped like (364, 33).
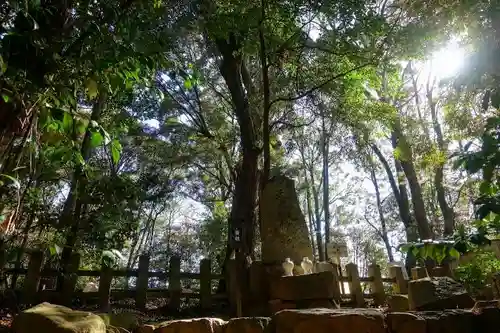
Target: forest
(132, 126)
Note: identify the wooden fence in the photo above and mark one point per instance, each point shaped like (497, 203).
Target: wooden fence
(31, 292)
(356, 296)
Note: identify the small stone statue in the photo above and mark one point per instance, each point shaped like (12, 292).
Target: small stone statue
(288, 266)
(307, 265)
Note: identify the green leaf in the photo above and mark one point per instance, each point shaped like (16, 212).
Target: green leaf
(67, 122)
(92, 88)
(116, 150)
(96, 139)
(81, 129)
(14, 181)
(105, 134)
(188, 84)
(55, 250)
(415, 251)
(3, 65)
(406, 248)
(171, 121)
(454, 253)
(6, 98)
(79, 158)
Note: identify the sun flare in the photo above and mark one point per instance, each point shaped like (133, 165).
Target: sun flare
(447, 61)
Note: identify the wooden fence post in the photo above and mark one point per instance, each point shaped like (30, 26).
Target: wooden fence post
(206, 284)
(355, 285)
(377, 284)
(105, 287)
(337, 295)
(3, 259)
(401, 284)
(141, 290)
(441, 271)
(233, 288)
(32, 279)
(174, 283)
(70, 278)
(418, 273)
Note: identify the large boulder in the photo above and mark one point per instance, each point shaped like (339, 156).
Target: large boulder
(488, 316)
(248, 325)
(127, 320)
(199, 325)
(398, 303)
(447, 321)
(405, 322)
(144, 329)
(50, 318)
(276, 305)
(325, 320)
(450, 321)
(284, 230)
(438, 293)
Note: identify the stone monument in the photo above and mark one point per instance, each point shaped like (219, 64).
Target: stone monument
(283, 229)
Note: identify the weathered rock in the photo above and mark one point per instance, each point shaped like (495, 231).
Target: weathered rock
(284, 230)
(50, 318)
(199, 325)
(480, 305)
(487, 316)
(277, 305)
(438, 293)
(405, 322)
(398, 303)
(247, 325)
(324, 320)
(145, 329)
(449, 321)
(126, 320)
(301, 287)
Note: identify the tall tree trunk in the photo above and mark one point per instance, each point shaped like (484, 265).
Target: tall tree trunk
(400, 193)
(22, 248)
(266, 100)
(73, 205)
(242, 221)
(406, 159)
(326, 186)
(316, 211)
(446, 210)
(317, 214)
(310, 213)
(432, 212)
(383, 224)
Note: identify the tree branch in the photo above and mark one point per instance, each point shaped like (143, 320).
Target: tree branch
(319, 86)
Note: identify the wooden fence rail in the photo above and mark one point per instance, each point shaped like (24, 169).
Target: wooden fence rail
(356, 295)
(173, 275)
